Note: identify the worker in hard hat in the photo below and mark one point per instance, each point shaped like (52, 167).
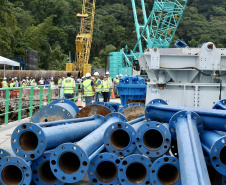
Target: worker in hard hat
(4, 83)
(16, 82)
(88, 89)
(33, 83)
(105, 88)
(12, 83)
(69, 87)
(23, 83)
(98, 86)
(59, 82)
(27, 81)
(120, 75)
(116, 82)
(52, 81)
(110, 84)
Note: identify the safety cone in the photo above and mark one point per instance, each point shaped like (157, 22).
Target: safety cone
(45, 102)
(112, 94)
(79, 102)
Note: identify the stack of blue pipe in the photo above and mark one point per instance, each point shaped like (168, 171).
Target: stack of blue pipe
(112, 150)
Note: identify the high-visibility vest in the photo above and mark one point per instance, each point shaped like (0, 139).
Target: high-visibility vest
(116, 81)
(68, 85)
(105, 86)
(59, 82)
(16, 84)
(52, 83)
(23, 84)
(98, 88)
(88, 90)
(4, 84)
(12, 84)
(33, 83)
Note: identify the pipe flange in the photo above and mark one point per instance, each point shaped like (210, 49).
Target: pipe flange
(71, 103)
(220, 105)
(19, 169)
(34, 136)
(109, 159)
(44, 161)
(159, 171)
(115, 114)
(215, 177)
(148, 108)
(158, 148)
(128, 145)
(4, 153)
(81, 160)
(132, 111)
(131, 105)
(174, 148)
(129, 168)
(183, 114)
(104, 104)
(217, 153)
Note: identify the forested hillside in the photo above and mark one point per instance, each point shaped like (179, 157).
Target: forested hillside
(50, 26)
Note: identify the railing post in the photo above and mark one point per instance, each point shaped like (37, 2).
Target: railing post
(41, 96)
(49, 94)
(31, 101)
(20, 103)
(7, 106)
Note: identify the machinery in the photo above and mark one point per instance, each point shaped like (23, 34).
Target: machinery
(84, 39)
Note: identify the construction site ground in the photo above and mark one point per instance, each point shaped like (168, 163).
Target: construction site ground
(6, 132)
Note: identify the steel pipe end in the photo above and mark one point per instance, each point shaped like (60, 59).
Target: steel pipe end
(4, 153)
(104, 169)
(104, 104)
(131, 105)
(132, 111)
(166, 170)
(69, 163)
(28, 141)
(220, 105)
(119, 138)
(66, 101)
(218, 155)
(115, 114)
(215, 177)
(14, 170)
(42, 173)
(184, 114)
(153, 139)
(135, 169)
(148, 108)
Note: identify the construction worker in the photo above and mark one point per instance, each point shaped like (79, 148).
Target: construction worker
(88, 89)
(12, 83)
(116, 82)
(98, 86)
(23, 83)
(51, 82)
(120, 76)
(110, 84)
(105, 88)
(69, 87)
(27, 81)
(33, 83)
(59, 82)
(16, 82)
(4, 83)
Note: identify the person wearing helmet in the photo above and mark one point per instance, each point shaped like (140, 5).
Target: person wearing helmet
(4, 83)
(27, 81)
(59, 82)
(97, 84)
(23, 83)
(16, 82)
(69, 87)
(12, 83)
(88, 89)
(116, 82)
(105, 88)
(120, 75)
(110, 84)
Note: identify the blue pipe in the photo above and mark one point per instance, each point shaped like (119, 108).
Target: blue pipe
(3, 153)
(120, 138)
(221, 105)
(104, 169)
(108, 105)
(80, 153)
(159, 110)
(135, 169)
(30, 140)
(15, 170)
(153, 139)
(214, 144)
(165, 170)
(185, 127)
(60, 109)
(42, 173)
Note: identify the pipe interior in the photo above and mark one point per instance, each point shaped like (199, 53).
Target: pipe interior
(11, 175)
(28, 141)
(152, 139)
(120, 139)
(223, 155)
(106, 171)
(168, 174)
(46, 174)
(136, 173)
(69, 163)
(213, 174)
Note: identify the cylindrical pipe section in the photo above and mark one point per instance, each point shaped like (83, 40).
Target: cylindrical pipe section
(120, 138)
(221, 105)
(4, 153)
(153, 139)
(159, 110)
(166, 170)
(70, 161)
(185, 127)
(104, 169)
(42, 173)
(132, 111)
(15, 170)
(215, 145)
(60, 109)
(135, 169)
(30, 141)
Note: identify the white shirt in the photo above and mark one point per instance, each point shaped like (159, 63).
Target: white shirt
(41, 82)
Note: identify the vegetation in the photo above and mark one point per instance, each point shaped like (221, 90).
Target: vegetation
(50, 26)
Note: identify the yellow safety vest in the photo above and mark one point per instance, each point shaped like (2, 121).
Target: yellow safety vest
(105, 86)
(33, 83)
(68, 85)
(52, 83)
(59, 82)
(116, 81)
(88, 90)
(4, 85)
(23, 84)
(12, 84)
(98, 88)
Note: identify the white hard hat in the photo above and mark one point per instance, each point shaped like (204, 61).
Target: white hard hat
(23, 80)
(4, 78)
(33, 79)
(107, 73)
(63, 77)
(27, 77)
(96, 73)
(15, 78)
(88, 75)
(12, 78)
(120, 75)
(116, 75)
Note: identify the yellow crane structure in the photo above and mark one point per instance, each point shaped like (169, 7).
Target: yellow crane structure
(84, 39)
